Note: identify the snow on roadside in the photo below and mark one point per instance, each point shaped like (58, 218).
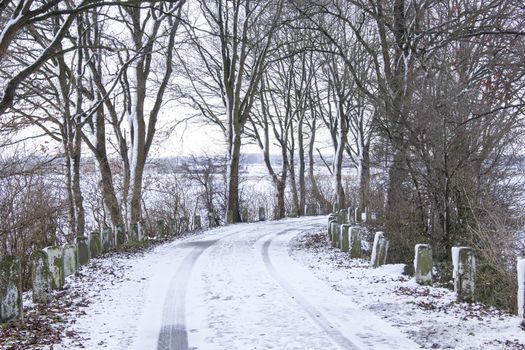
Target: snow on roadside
(99, 307)
(428, 315)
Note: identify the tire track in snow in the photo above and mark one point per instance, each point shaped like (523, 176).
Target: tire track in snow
(338, 337)
(173, 334)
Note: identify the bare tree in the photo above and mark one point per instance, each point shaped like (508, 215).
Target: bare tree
(232, 48)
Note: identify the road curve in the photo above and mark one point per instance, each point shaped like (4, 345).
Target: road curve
(238, 288)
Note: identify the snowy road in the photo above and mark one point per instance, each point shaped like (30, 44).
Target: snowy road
(238, 288)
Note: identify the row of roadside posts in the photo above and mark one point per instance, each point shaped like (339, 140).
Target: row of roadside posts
(345, 233)
(51, 265)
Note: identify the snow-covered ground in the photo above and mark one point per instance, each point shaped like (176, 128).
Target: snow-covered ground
(270, 285)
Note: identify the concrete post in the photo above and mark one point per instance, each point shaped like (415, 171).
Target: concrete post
(197, 225)
(184, 224)
(379, 250)
(69, 259)
(345, 241)
(262, 214)
(10, 289)
(521, 287)
(464, 272)
(423, 264)
(106, 240)
(336, 234)
(355, 242)
(95, 244)
(357, 216)
(120, 235)
(83, 250)
(40, 276)
(245, 215)
(54, 255)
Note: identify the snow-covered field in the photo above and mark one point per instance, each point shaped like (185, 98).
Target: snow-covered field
(270, 285)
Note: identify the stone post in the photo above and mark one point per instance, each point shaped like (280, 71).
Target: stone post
(331, 230)
(423, 264)
(211, 220)
(345, 242)
(120, 235)
(69, 259)
(336, 233)
(342, 217)
(464, 272)
(245, 215)
(355, 242)
(364, 216)
(112, 238)
(350, 216)
(197, 225)
(379, 250)
(172, 227)
(83, 250)
(161, 228)
(521, 288)
(229, 217)
(40, 276)
(335, 208)
(95, 244)
(357, 216)
(106, 240)
(134, 232)
(262, 214)
(184, 224)
(10, 289)
(54, 256)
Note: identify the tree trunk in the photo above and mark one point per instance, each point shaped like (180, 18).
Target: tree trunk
(232, 209)
(316, 193)
(302, 169)
(364, 179)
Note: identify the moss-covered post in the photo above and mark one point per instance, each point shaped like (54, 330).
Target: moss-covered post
(355, 242)
(350, 216)
(357, 216)
(211, 220)
(344, 216)
(84, 254)
(10, 289)
(332, 231)
(184, 224)
(161, 228)
(197, 224)
(229, 217)
(245, 215)
(379, 250)
(95, 244)
(172, 227)
(464, 272)
(106, 240)
(69, 259)
(336, 234)
(345, 241)
(423, 264)
(136, 232)
(54, 255)
(40, 276)
(262, 214)
(120, 235)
